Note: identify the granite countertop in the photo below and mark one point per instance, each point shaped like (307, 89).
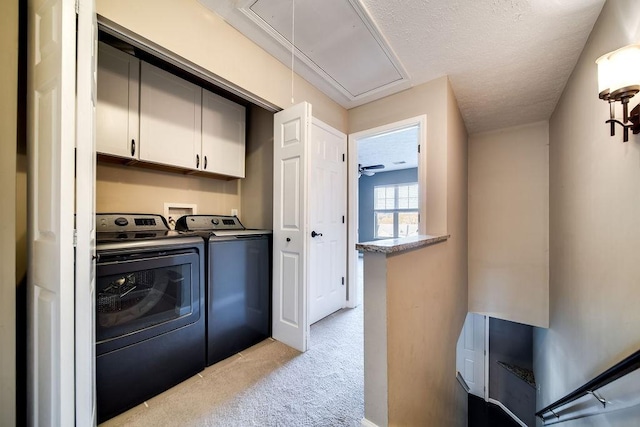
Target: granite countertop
(524, 374)
(392, 246)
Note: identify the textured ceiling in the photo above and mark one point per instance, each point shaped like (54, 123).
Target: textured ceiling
(507, 60)
(397, 149)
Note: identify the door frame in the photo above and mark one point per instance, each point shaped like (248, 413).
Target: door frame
(352, 191)
(85, 214)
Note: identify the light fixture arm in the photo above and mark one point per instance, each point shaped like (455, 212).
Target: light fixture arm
(625, 134)
(612, 115)
(630, 123)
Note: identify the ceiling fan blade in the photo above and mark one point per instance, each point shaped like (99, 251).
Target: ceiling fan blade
(372, 167)
(375, 167)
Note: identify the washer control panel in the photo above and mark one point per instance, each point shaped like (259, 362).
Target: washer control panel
(130, 222)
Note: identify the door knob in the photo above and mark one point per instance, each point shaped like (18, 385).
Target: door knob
(314, 234)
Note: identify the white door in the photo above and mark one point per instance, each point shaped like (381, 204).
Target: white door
(327, 221)
(291, 135)
(470, 359)
(51, 81)
(86, 414)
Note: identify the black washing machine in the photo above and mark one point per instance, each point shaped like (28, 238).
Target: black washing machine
(150, 321)
(238, 288)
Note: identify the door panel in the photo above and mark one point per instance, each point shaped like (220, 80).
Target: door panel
(51, 81)
(291, 135)
(470, 353)
(327, 208)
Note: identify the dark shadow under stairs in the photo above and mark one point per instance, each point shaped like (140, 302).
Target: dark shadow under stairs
(485, 414)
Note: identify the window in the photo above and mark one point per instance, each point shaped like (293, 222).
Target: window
(396, 210)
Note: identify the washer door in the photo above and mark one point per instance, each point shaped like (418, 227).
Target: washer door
(140, 297)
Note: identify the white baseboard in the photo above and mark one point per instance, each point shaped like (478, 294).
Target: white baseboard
(505, 409)
(366, 423)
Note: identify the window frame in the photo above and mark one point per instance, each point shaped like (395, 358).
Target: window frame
(396, 210)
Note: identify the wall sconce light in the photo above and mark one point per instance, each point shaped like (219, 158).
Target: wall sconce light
(619, 80)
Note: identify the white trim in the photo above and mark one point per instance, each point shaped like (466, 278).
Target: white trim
(506, 410)
(462, 382)
(286, 48)
(366, 423)
(352, 191)
(352, 221)
(158, 51)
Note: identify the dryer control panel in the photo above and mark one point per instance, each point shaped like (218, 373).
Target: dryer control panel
(208, 223)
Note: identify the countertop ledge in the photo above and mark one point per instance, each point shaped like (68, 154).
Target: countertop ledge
(393, 246)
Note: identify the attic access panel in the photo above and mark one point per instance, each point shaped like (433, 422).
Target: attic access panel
(336, 38)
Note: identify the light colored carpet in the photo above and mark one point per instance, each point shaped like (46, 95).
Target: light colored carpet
(271, 384)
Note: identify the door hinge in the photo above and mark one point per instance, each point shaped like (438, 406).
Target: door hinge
(418, 148)
(342, 281)
(343, 219)
(75, 238)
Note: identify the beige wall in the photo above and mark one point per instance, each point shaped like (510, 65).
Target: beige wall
(257, 186)
(132, 189)
(190, 30)
(427, 299)
(509, 224)
(430, 99)
(594, 230)
(8, 138)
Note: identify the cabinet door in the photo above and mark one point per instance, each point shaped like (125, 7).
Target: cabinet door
(170, 119)
(223, 135)
(117, 130)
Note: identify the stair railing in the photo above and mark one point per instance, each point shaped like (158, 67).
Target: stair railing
(551, 415)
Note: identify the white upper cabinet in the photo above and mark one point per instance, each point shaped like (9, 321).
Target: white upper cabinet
(170, 119)
(117, 126)
(223, 135)
(145, 113)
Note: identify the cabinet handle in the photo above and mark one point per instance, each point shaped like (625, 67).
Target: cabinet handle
(205, 162)
(133, 147)
(197, 160)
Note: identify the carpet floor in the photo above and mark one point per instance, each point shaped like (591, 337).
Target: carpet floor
(271, 384)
